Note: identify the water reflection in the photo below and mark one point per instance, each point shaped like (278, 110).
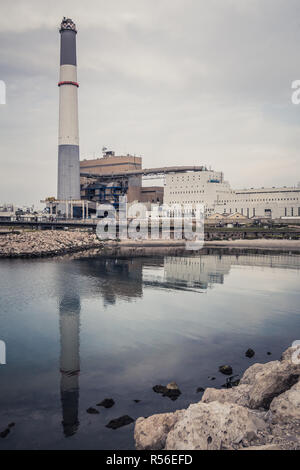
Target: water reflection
(147, 320)
(115, 277)
(126, 279)
(69, 323)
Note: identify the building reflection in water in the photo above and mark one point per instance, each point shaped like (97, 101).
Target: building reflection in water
(69, 311)
(115, 278)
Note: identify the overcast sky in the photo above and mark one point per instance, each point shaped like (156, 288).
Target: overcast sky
(179, 82)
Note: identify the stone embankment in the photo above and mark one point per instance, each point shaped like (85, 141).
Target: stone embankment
(261, 413)
(46, 243)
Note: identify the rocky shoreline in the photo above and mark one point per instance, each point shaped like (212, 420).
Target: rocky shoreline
(49, 243)
(37, 244)
(261, 413)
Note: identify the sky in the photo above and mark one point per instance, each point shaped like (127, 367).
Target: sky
(178, 82)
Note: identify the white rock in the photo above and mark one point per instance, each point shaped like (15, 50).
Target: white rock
(273, 379)
(286, 407)
(215, 426)
(238, 395)
(151, 433)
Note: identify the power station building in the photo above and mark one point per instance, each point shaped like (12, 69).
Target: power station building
(209, 188)
(84, 184)
(105, 179)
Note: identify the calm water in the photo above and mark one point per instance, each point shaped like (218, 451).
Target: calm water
(129, 324)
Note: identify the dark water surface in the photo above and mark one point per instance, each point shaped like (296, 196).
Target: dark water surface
(126, 325)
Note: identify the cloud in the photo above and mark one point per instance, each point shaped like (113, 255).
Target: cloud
(190, 82)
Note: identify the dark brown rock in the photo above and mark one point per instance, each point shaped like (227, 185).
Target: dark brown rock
(119, 422)
(107, 403)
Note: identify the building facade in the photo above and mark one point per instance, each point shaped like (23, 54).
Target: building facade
(208, 187)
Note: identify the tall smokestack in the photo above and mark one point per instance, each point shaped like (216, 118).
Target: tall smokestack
(68, 136)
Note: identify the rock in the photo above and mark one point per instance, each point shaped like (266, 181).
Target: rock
(215, 426)
(159, 388)
(249, 353)
(92, 411)
(119, 422)
(238, 395)
(4, 433)
(171, 390)
(226, 370)
(11, 425)
(270, 381)
(262, 412)
(107, 403)
(230, 382)
(200, 389)
(269, 353)
(151, 433)
(292, 355)
(250, 373)
(286, 407)
(172, 386)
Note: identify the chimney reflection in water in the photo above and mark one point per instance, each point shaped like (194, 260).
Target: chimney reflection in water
(69, 311)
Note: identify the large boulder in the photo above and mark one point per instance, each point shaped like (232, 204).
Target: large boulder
(269, 380)
(286, 407)
(235, 418)
(151, 433)
(216, 426)
(238, 395)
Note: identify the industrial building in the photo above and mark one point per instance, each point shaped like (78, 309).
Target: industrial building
(104, 180)
(111, 164)
(209, 188)
(82, 185)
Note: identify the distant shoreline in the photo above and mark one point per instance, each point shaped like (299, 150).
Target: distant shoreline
(259, 243)
(45, 244)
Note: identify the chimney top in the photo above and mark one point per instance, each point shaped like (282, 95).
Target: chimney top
(67, 24)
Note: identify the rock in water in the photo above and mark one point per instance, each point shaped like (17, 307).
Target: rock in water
(171, 390)
(92, 411)
(4, 433)
(119, 422)
(107, 403)
(200, 389)
(172, 386)
(159, 388)
(231, 382)
(226, 370)
(249, 353)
